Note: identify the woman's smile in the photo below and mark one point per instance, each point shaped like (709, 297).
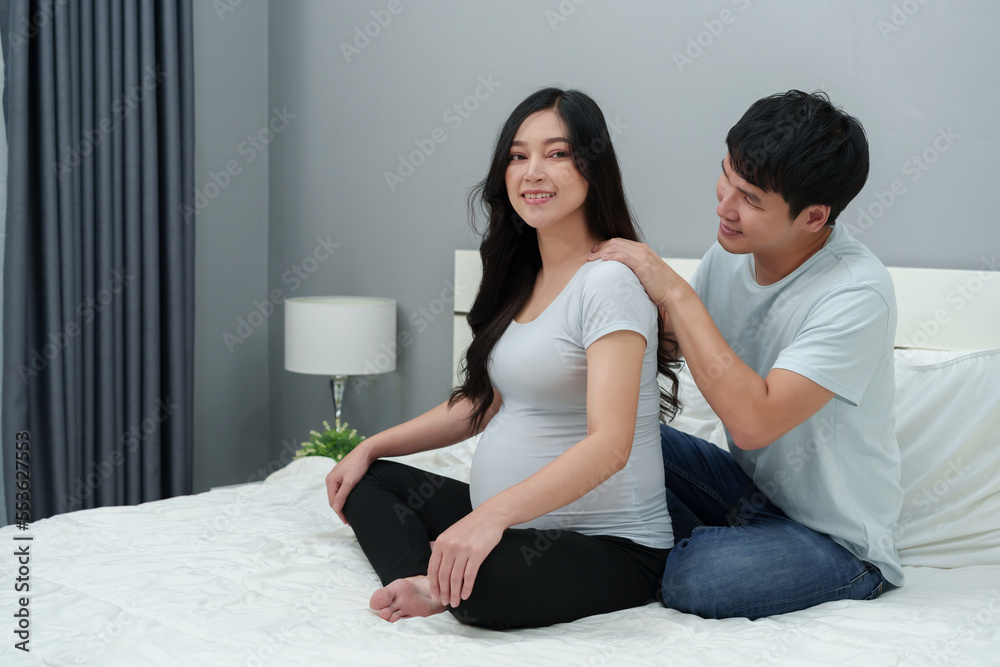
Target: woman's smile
(537, 196)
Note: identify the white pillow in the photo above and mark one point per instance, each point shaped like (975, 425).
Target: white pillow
(948, 427)
(696, 416)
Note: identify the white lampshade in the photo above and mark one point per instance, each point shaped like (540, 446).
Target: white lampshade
(340, 335)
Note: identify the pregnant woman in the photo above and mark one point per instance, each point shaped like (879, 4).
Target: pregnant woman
(565, 514)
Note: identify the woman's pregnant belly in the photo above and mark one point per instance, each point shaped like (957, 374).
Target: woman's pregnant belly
(518, 443)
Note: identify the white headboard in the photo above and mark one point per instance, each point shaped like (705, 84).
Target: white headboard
(939, 309)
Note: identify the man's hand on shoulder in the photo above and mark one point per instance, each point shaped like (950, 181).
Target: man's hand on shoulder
(656, 277)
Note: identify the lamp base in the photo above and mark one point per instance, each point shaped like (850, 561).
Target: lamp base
(337, 384)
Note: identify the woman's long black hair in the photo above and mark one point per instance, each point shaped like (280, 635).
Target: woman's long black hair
(509, 249)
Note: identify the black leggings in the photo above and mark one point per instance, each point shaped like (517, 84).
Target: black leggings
(532, 578)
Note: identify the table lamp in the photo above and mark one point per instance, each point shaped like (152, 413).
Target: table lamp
(340, 336)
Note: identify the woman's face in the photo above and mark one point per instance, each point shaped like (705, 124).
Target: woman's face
(543, 184)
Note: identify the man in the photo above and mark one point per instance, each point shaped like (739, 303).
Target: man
(787, 328)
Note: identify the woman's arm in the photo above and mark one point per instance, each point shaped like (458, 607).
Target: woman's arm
(614, 368)
(438, 427)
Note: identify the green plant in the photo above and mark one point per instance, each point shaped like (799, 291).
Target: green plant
(334, 443)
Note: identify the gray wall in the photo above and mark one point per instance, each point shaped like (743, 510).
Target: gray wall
(912, 78)
(231, 378)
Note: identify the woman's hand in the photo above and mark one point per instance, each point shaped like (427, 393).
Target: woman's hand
(654, 274)
(457, 554)
(345, 475)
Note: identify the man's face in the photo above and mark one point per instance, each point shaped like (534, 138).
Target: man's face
(751, 220)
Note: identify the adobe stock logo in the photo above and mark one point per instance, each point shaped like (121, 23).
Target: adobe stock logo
(914, 168)
(85, 313)
(900, 16)
(250, 148)
(121, 107)
(714, 29)
(566, 9)
(455, 116)
(363, 35)
(294, 277)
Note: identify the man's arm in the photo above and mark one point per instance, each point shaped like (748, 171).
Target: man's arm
(756, 411)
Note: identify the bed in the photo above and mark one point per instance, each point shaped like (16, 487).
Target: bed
(264, 574)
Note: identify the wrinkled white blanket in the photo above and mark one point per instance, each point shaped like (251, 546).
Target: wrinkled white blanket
(265, 574)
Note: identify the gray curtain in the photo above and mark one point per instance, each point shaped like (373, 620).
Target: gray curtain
(3, 237)
(98, 272)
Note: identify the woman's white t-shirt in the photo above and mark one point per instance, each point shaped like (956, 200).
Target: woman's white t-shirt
(540, 370)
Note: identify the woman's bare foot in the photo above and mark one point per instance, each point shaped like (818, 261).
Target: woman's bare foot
(405, 598)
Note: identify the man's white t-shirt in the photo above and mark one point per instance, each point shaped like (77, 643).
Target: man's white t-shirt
(833, 321)
(540, 370)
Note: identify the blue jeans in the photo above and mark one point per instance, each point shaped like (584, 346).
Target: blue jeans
(736, 554)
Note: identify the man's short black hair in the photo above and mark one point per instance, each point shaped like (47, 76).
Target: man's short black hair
(803, 148)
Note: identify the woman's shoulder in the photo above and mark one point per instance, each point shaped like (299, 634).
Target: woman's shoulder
(609, 275)
(611, 287)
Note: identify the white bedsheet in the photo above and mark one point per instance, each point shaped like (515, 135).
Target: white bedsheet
(265, 574)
